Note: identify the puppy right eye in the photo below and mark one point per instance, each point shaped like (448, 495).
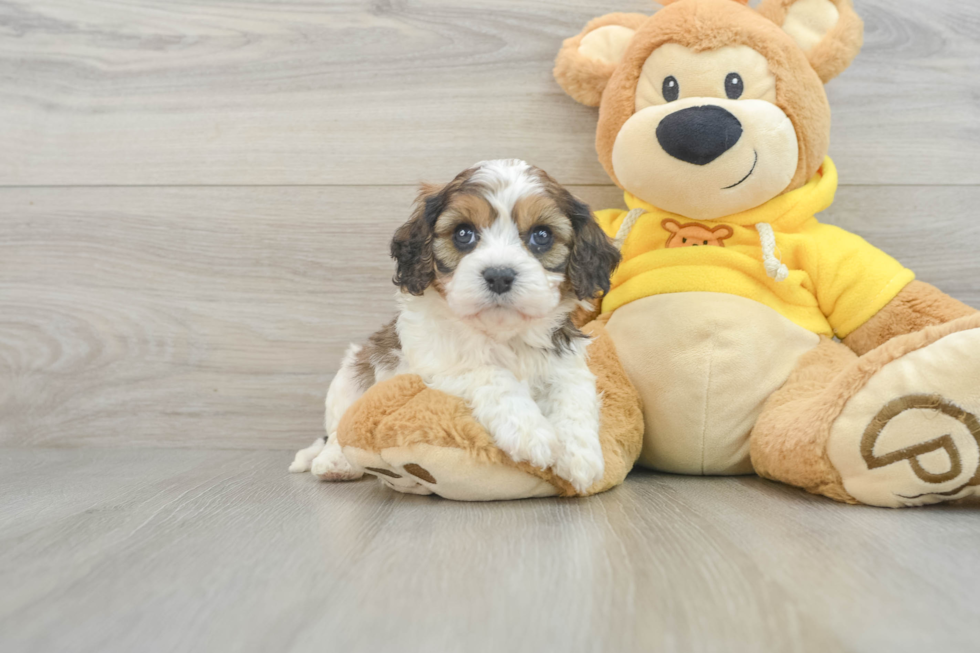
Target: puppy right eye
(464, 237)
(671, 89)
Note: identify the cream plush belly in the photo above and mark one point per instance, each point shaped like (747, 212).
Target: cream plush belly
(704, 365)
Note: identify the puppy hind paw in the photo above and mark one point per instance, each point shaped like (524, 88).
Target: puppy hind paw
(331, 465)
(304, 457)
(298, 465)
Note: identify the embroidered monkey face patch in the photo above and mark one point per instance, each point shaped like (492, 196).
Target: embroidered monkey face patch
(693, 234)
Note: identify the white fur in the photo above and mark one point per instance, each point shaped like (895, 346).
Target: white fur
(495, 351)
(324, 457)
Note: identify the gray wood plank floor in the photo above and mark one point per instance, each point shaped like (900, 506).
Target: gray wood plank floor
(195, 204)
(176, 550)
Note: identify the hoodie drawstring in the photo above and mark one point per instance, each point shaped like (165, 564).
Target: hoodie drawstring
(774, 267)
(627, 227)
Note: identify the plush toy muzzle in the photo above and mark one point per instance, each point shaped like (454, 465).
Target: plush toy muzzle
(736, 154)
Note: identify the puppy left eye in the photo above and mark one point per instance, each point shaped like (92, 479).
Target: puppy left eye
(541, 240)
(734, 86)
(464, 237)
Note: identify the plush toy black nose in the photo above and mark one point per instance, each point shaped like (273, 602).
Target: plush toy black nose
(699, 135)
(499, 280)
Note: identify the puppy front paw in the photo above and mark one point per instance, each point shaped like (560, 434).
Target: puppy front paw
(527, 438)
(580, 461)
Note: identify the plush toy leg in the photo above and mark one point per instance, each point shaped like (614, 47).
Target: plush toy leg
(896, 427)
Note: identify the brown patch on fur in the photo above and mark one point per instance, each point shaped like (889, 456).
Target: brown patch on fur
(465, 208)
(583, 314)
(380, 353)
(563, 337)
(412, 246)
(592, 256)
(541, 211)
(914, 308)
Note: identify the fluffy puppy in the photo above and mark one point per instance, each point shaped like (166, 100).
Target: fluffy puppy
(490, 268)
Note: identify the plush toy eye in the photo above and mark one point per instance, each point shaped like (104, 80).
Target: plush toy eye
(734, 86)
(541, 240)
(464, 237)
(671, 89)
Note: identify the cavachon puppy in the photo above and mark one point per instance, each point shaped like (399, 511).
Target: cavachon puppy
(490, 268)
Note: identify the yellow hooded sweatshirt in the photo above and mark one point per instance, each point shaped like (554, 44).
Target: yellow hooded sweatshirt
(836, 281)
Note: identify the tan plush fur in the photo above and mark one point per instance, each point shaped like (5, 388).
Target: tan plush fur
(835, 53)
(916, 307)
(789, 441)
(580, 77)
(403, 411)
(707, 25)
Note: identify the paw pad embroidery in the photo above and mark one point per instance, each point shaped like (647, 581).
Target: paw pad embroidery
(936, 403)
(420, 472)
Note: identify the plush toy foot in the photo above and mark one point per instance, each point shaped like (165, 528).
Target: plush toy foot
(899, 426)
(331, 465)
(911, 435)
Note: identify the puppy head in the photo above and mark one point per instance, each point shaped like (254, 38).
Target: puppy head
(503, 243)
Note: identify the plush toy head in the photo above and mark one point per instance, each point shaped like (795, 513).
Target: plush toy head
(709, 107)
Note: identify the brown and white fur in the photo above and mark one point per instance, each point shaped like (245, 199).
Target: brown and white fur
(490, 268)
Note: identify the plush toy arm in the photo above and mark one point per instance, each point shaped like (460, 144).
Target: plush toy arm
(418, 440)
(917, 306)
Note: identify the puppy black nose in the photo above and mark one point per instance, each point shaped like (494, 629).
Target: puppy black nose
(499, 280)
(699, 135)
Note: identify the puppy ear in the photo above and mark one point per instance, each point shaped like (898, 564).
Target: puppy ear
(593, 257)
(412, 245)
(587, 61)
(828, 31)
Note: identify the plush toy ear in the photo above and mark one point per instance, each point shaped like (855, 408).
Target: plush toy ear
(828, 31)
(587, 61)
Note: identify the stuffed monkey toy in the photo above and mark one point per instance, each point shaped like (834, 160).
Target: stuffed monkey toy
(759, 339)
